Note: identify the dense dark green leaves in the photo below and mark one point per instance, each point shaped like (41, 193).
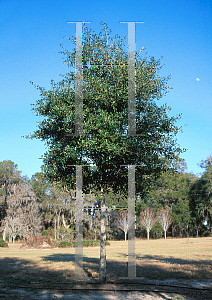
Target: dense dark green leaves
(105, 118)
(201, 196)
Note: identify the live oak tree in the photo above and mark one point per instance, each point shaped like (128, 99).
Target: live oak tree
(207, 190)
(172, 191)
(105, 147)
(41, 188)
(201, 197)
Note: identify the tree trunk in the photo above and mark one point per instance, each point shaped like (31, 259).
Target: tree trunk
(172, 231)
(125, 236)
(55, 229)
(10, 238)
(147, 234)
(58, 224)
(64, 222)
(197, 233)
(4, 234)
(165, 234)
(102, 272)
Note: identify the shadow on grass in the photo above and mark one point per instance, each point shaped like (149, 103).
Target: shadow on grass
(177, 267)
(148, 267)
(20, 273)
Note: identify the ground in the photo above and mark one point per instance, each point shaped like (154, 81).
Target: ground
(167, 269)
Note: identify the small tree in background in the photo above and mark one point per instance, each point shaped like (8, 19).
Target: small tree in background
(164, 219)
(147, 219)
(122, 220)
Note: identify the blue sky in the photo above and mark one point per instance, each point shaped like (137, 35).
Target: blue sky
(30, 36)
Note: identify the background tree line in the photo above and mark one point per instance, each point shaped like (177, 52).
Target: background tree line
(34, 206)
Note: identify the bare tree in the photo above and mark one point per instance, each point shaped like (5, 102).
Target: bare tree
(147, 219)
(8, 175)
(13, 224)
(22, 214)
(164, 219)
(13, 221)
(124, 222)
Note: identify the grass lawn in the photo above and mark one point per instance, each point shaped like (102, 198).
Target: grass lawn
(155, 259)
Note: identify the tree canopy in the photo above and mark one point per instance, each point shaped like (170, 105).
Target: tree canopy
(105, 117)
(105, 148)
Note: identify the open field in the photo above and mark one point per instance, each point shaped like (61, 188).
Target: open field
(155, 259)
(161, 260)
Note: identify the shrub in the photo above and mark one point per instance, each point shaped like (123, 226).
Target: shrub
(93, 243)
(157, 231)
(65, 234)
(1, 237)
(64, 244)
(90, 243)
(3, 243)
(86, 243)
(48, 232)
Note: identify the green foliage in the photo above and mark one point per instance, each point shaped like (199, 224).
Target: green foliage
(172, 191)
(48, 232)
(41, 188)
(90, 243)
(157, 231)
(8, 173)
(201, 198)
(3, 243)
(65, 234)
(86, 243)
(65, 244)
(181, 213)
(105, 118)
